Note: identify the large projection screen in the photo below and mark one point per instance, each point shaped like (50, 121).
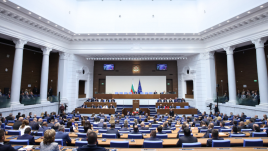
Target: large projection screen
(124, 83)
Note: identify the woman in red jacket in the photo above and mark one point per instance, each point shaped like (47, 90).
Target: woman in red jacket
(166, 107)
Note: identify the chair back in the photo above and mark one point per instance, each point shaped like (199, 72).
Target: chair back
(237, 135)
(109, 136)
(134, 136)
(198, 144)
(181, 134)
(226, 130)
(246, 130)
(123, 131)
(67, 129)
(178, 107)
(216, 127)
(10, 121)
(221, 143)
(152, 144)
(259, 134)
(102, 131)
(80, 143)
(81, 130)
(253, 142)
(145, 131)
(115, 92)
(162, 136)
(9, 127)
(14, 132)
(186, 107)
(59, 141)
(3, 126)
(203, 130)
(167, 131)
(155, 125)
(81, 135)
(119, 144)
(19, 142)
(40, 133)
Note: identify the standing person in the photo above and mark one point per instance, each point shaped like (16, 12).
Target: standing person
(171, 113)
(62, 108)
(35, 90)
(216, 109)
(50, 91)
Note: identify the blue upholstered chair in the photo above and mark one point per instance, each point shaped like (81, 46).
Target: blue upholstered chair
(109, 136)
(135, 136)
(203, 130)
(246, 130)
(19, 142)
(253, 142)
(259, 134)
(237, 135)
(152, 144)
(198, 144)
(102, 131)
(81, 135)
(178, 107)
(81, 143)
(226, 130)
(14, 132)
(81, 130)
(216, 127)
(181, 134)
(8, 127)
(67, 129)
(59, 141)
(115, 92)
(120, 92)
(125, 93)
(145, 131)
(167, 131)
(186, 107)
(162, 136)
(119, 144)
(221, 143)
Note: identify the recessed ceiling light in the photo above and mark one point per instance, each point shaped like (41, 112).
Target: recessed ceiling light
(48, 22)
(30, 13)
(237, 17)
(174, 33)
(154, 33)
(116, 34)
(211, 28)
(193, 33)
(248, 12)
(205, 31)
(97, 34)
(4, 0)
(261, 6)
(136, 33)
(184, 33)
(74, 34)
(219, 24)
(107, 34)
(126, 33)
(228, 21)
(56, 25)
(18, 7)
(62, 28)
(88, 34)
(40, 17)
(69, 32)
(78, 34)
(145, 33)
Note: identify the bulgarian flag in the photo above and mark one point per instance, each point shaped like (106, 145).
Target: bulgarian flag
(132, 89)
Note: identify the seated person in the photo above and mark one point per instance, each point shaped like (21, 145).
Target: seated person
(105, 106)
(152, 137)
(102, 100)
(225, 117)
(93, 106)
(27, 135)
(104, 126)
(170, 101)
(215, 136)
(182, 100)
(154, 122)
(166, 107)
(84, 105)
(113, 100)
(106, 119)
(235, 130)
(159, 129)
(165, 100)
(135, 130)
(4, 147)
(100, 124)
(165, 126)
(88, 100)
(176, 100)
(256, 128)
(112, 130)
(159, 100)
(172, 106)
(150, 125)
(187, 138)
(203, 125)
(92, 143)
(210, 128)
(107, 100)
(222, 124)
(98, 106)
(44, 127)
(111, 106)
(64, 136)
(143, 127)
(96, 100)
(125, 128)
(161, 106)
(117, 124)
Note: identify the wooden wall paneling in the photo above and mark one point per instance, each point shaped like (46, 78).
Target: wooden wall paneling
(169, 85)
(102, 87)
(124, 68)
(189, 87)
(221, 72)
(53, 71)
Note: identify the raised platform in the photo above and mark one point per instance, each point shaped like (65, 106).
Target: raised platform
(135, 96)
(178, 111)
(96, 111)
(175, 104)
(100, 103)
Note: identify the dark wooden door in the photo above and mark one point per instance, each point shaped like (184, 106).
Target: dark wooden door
(101, 86)
(169, 86)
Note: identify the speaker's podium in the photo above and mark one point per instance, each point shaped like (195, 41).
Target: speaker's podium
(136, 107)
(136, 104)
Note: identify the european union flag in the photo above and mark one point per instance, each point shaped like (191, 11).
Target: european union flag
(139, 87)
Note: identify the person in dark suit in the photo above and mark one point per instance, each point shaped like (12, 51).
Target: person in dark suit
(155, 92)
(159, 130)
(93, 106)
(182, 100)
(135, 130)
(84, 105)
(171, 113)
(215, 136)
(152, 137)
(43, 127)
(112, 130)
(9, 117)
(50, 91)
(18, 123)
(111, 106)
(161, 106)
(6, 147)
(225, 117)
(165, 126)
(143, 127)
(175, 100)
(216, 109)
(64, 136)
(113, 100)
(35, 90)
(173, 106)
(107, 100)
(27, 135)
(222, 126)
(125, 128)
(203, 126)
(154, 122)
(165, 100)
(250, 125)
(170, 101)
(34, 124)
(241, 126)
(187, 138)
(117, 124)
(92, 143)
(159, 100)
(210, 128)
(18, 116)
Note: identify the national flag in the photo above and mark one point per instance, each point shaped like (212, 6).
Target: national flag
(132, 89)
(139, 87)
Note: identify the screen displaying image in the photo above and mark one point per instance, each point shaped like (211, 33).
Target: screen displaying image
(161, 66)
(108, 66)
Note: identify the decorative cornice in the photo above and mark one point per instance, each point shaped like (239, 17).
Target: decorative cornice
(64, 55)
(46, 50)
(259, 43)
(136, 57)
(207, 55)
(229, 50)
(19, 43)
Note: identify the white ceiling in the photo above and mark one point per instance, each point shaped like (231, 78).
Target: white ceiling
(138, 16)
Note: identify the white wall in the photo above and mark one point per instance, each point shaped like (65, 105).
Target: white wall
(124, 83)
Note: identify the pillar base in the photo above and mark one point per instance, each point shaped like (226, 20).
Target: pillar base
(231, 102)
(16, 105)
(262, 105)
(45, 101)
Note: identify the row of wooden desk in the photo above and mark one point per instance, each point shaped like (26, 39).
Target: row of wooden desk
(96, 111)
(135, 96)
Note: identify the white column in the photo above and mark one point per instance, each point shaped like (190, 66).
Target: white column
(63, 75)
(231, 74)
(44, 75)
(17, 71)
(210, 75)
(262, 71)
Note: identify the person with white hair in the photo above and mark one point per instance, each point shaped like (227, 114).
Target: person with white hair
(101, 123)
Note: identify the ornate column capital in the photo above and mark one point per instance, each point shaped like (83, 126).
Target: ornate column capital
(259, 43)
(207, 55)
(46, 50)
(229, 50)
(64, 55)
(19, 43)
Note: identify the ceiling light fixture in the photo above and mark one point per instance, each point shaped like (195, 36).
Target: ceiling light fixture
(165, 33)
(228, 21)
(62, 28)
(136, 33)
(88, 34)
(211, 28)
(261, 7)
(4, 0)
(237, 17)
(74, 34)
(48, 22)
(174, 33)
(56, 25)
(30, 13)
(107, 34)
(116, 34)
(126, 33)
(248, 12)
(40, 17)
(154, 33)
(145, 33)
(219, 24)
(97, 34)
(18, 7)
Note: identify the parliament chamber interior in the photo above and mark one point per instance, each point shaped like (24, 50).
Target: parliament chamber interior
(128, 75)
